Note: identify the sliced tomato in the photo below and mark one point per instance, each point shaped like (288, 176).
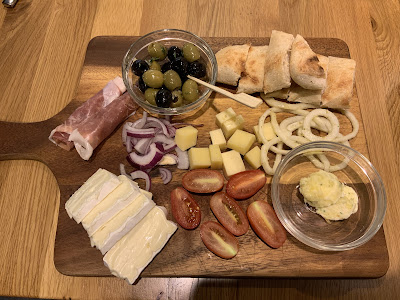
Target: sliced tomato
(219, 240)
(203, 181)
(266, 224)
(245, 184)
(185, 209)
(229, 213)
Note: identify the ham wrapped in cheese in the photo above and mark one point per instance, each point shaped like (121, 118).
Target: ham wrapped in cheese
(95, 119)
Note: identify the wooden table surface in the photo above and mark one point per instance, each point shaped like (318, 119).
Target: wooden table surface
(42, 47)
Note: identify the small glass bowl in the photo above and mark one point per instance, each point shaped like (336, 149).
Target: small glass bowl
(309, 227)
(169, 37)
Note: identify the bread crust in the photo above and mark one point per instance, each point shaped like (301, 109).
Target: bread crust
(231, 63)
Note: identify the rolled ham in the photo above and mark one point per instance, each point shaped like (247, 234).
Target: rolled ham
(95, 119)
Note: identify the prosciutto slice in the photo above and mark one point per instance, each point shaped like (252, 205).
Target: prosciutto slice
(95, 119)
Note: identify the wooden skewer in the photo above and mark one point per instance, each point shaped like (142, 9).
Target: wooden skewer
(242, 98)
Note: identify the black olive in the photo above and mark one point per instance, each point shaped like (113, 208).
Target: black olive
(163, 98)
(166, 67)
(196, 69)
(174, 52)
(142, 85)
(139, 67)
(179, 65)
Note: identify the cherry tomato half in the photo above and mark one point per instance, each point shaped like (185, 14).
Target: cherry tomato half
(245, 184)
(219, 240)
(185, 209)
(229, 213)
(266, 224)
(203, 181)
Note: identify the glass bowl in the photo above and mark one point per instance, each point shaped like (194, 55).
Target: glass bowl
(310, 228)
(169, 37)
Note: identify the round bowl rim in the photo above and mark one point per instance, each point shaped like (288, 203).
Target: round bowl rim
(381, 198)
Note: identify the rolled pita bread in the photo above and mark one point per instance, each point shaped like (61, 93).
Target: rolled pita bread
(306, 68)
(277, 74)
(300, 94)
(339, 83)
(252, 80)
(280, 94)
(231, 63)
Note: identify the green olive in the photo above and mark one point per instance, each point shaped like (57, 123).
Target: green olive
(190, 91)
(172, 80)
(157, 50)
(155, 66)
(153, 78)
(177, 99)
(150, 96)
(190, 52)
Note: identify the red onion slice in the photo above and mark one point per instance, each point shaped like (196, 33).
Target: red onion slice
(147, 161)
(142, 175)
(183, 159)
(142, 146)
(166, 175)
(142, 133)
(122, 170)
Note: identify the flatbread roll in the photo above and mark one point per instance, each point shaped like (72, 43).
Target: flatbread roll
(339, 83)
(300, 94)
(277, 74)
(306, 68)
(231, 63)
(280, 94)
(252, 81)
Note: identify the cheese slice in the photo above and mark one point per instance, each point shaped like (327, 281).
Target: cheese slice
(136, 250)
(113, 230)
(117, 200)
(92, 192)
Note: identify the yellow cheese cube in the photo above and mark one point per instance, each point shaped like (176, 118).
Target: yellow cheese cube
(231, 125)
(241, 141)
(268, 131)
(224, 115)
(217, 138)
(186, 137)
(199, 158)
(253, 157)
(215, 157)
(232, 163)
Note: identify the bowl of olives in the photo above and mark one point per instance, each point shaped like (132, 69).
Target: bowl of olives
(156, 67)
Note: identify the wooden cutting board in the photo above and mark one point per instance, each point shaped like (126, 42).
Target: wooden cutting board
(185, 254)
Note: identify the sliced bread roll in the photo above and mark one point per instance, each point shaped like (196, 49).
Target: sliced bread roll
(277, 74)
(306, 69)
(339, 83)
(231, 63)
(280, 94)
(252, 80)
(300, 94)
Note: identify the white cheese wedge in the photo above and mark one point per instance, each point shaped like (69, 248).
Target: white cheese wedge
(112, 231)
(136, 250)
(92, 192)
(116, 201)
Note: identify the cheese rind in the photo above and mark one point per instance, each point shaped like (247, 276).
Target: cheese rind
(92, 192)
(130, 255)
(111, 205)
(232, 163)
(112, 231)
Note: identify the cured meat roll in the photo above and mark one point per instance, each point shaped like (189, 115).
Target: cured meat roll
(95, 119)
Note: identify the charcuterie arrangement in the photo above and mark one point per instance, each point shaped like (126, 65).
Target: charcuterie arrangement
(300, 88)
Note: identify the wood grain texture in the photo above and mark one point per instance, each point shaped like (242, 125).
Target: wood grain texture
(373, 44)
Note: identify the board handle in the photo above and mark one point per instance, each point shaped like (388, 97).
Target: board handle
(23, 140)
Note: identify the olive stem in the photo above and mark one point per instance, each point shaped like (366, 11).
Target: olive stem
(242, 98)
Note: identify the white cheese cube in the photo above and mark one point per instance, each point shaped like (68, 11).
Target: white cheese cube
(224, 116)
(199, 158)
(218, 138)
(232, 163)
(253, 157)
(186, 137)
(268, 131)
(241, 141)
(215, 157)
(231, 125)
